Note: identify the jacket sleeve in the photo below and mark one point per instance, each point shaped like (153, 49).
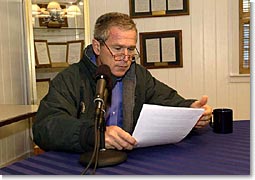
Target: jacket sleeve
(57, 126)
(159, 93)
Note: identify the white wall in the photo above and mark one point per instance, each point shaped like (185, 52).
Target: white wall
(210, 51)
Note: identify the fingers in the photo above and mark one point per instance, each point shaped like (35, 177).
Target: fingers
(200, 103)
(203, 121)
(117, 138)
(205, 118)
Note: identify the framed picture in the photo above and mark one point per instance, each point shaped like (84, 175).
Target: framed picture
(42, 57)
(57, 51)
(161, 49)
(74, 51)
(156, 8)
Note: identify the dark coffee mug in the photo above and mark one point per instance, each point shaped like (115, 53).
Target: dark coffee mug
(222, 121)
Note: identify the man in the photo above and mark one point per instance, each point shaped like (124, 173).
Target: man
(65, 119)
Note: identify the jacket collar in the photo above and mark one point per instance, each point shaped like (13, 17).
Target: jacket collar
(129, 84)
(86, 61)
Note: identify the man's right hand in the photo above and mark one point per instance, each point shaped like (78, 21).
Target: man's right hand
(117, 138)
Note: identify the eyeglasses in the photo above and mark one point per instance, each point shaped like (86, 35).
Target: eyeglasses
(133, 53)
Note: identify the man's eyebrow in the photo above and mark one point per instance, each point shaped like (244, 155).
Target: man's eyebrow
(123, 46)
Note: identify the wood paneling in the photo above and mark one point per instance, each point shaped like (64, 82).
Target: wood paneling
(197, 50)
(14, 139)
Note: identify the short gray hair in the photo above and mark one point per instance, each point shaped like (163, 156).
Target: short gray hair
(108, 20)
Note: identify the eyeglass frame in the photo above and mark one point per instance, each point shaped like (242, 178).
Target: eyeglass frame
(133, 57)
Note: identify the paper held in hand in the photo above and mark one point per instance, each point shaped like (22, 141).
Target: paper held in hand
(159, 125)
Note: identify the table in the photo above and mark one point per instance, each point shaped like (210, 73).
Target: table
(202, 152)
(11, 113)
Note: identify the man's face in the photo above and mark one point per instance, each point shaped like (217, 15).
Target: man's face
(118, 41)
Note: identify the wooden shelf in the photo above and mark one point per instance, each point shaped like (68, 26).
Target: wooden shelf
(57, 32)
(50, 69)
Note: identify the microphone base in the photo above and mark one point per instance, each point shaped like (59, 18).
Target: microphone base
(106, 158)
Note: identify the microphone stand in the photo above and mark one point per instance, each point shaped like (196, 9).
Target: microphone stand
(102, 157)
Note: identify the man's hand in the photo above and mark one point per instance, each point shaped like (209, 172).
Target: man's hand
(117, 138)
(206, 117)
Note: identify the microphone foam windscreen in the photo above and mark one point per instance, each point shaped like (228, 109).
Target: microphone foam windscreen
(104, 70)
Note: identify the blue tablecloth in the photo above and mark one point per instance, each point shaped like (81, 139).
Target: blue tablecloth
(200, 153)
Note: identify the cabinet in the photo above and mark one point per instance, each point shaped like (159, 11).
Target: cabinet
(58, 46)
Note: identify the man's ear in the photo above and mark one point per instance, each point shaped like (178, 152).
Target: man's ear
(96, 46)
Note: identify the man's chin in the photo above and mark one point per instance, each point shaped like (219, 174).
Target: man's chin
(119, 74)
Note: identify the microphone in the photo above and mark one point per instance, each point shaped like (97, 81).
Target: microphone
(103, 78)
(104, 84)
(102, 157)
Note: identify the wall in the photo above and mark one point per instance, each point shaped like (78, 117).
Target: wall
(14, 141)
(210, 51)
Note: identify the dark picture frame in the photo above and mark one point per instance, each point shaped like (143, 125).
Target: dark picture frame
(161, 49)
(157, 8)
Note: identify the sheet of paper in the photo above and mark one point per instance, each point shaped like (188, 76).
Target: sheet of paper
(159, 125)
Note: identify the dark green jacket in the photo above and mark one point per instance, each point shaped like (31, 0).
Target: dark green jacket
(61, 125)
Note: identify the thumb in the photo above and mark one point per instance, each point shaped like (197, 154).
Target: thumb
(200, 103)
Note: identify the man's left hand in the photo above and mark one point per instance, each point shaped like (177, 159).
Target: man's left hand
(207, 115)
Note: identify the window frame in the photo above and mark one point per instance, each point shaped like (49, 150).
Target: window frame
(244, 18)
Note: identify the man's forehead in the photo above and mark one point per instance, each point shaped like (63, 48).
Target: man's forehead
(118, 34)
